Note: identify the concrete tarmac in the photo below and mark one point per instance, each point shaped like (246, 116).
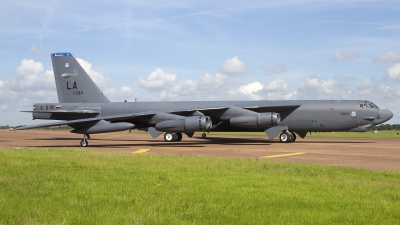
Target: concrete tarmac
(372, 154)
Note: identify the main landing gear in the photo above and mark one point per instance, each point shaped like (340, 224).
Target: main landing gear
(287, 137)
(85, 143)
(170, 137)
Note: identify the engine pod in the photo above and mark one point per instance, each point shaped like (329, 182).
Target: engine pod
(260, 120)
(188, 124)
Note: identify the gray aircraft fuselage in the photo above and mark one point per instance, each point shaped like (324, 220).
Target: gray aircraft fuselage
(84, 107)
(310, 116)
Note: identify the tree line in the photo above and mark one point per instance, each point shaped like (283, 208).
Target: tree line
(385, 127)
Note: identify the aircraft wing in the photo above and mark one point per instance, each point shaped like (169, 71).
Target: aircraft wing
(78, 121)
(204, 111)
(279, 108)
(272, 108)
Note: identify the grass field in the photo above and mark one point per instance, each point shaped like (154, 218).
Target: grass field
(390, 134)
(61, 186)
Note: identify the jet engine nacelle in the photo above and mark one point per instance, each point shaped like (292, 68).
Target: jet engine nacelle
(266, 119)
(188, 124)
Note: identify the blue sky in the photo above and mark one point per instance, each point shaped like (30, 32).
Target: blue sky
(203, 50)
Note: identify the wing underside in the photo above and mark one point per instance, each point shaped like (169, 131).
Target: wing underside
(77, 122)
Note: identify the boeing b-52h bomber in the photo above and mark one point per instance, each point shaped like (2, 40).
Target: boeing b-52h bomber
(83, 107)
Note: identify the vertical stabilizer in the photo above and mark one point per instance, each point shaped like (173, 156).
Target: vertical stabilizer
(73, 83)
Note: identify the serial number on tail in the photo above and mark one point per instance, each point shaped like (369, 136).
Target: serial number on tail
(77, 92)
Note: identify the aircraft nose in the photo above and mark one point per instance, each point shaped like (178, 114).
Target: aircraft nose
(385, 115)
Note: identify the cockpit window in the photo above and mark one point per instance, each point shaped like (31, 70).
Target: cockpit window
(374, 106)
(368, 105)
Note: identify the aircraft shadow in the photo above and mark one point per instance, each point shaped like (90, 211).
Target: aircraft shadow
(197, 142)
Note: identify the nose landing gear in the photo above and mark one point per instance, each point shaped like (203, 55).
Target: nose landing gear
(85, 143)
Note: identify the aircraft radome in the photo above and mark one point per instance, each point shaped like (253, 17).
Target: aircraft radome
(83, 107)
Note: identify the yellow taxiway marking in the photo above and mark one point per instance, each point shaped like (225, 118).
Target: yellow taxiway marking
(143, 150)
(282, 155)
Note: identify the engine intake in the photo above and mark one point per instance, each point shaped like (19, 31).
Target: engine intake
(266, 119)
(188, 124)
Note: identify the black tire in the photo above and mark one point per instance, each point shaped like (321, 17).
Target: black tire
(179, 136)
(203, 135)
(84, 143)
(286, 137)
(294, 136)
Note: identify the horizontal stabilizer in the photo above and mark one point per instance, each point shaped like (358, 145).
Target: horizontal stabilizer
(66, 112)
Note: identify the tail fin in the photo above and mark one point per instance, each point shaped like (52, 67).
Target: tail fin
(73, 83)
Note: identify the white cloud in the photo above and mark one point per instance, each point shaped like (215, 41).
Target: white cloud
(393, 73)
(32, 83)
(271, 69)
(31, 76)
(206, 87)
(207, 80)
(233, 66)
(388, 57)
(157, 80)
(341, 55)
(103, 82)
(364, 87)
(251, 87)
(124, 93)
(33, 50)
(276, 89)
(277, 85)
(312, 88)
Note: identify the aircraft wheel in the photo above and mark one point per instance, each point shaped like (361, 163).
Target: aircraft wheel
(179, 136)
(168, 137)
(293, 136)
(203, 135)
(286, 137)
(84, 143)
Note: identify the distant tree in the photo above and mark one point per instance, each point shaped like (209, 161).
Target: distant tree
(396, 126)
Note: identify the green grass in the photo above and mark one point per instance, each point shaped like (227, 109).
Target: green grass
(388, 134)
(47, 186)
